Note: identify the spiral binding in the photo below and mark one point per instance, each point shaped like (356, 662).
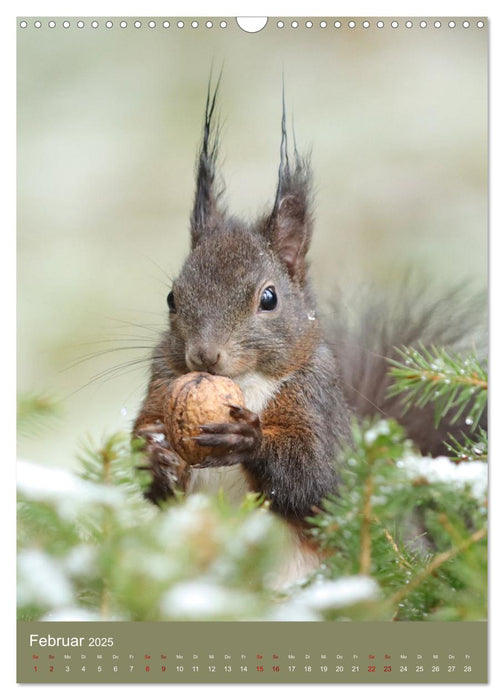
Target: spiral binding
(299, 23)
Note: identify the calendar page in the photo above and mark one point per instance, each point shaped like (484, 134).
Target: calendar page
(252, 349)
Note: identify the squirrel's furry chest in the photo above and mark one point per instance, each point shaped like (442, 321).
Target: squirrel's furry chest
(299, 560)
(258, 390)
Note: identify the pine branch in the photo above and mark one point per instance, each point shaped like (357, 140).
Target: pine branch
(436, 564)
(112, 554)
(470, 448)
(390, 520)
(401, 560)
(365, 554)
(455, 384)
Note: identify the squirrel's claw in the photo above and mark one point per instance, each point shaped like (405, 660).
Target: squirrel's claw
(228, 428)
(230, 440)
(149, 429)
(241, 413)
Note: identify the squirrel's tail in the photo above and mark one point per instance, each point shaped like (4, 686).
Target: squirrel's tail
(365, 331)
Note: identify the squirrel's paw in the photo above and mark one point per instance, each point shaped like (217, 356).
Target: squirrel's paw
(236, 442)
(165, 465)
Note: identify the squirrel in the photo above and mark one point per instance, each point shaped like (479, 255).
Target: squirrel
(243, 306)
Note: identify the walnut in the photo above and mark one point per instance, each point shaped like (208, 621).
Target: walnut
(195, 399)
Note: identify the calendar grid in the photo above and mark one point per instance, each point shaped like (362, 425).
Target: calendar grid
(252, 652)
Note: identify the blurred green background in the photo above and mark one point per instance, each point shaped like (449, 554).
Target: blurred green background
(109, 121)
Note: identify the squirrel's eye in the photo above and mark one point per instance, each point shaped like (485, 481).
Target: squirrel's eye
(269, 299)
(170, 300)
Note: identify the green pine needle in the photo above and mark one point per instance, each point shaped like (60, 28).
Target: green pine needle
(455, 384)
(470, 448)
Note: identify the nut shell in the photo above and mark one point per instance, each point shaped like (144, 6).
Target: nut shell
(195, 399)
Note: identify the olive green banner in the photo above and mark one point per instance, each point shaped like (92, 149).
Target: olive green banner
(252, 652)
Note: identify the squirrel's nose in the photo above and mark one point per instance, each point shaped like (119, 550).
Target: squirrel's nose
(203, 357)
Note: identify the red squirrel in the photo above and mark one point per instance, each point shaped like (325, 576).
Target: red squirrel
(243, 307)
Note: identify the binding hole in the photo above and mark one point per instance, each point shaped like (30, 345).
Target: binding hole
(251, 24)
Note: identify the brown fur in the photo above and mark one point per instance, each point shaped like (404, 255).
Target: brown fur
(312, 380)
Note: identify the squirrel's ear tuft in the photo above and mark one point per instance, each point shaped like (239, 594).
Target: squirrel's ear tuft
(290, 224)
(207, 215)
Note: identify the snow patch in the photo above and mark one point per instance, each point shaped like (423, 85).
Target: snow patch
(326, 595)
(41, 580)
(66, 490)
(473, 474)
(201, 599)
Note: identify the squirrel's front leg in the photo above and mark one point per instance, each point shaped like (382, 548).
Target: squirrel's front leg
(167, 468)
(288, 453)
(284, 457)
